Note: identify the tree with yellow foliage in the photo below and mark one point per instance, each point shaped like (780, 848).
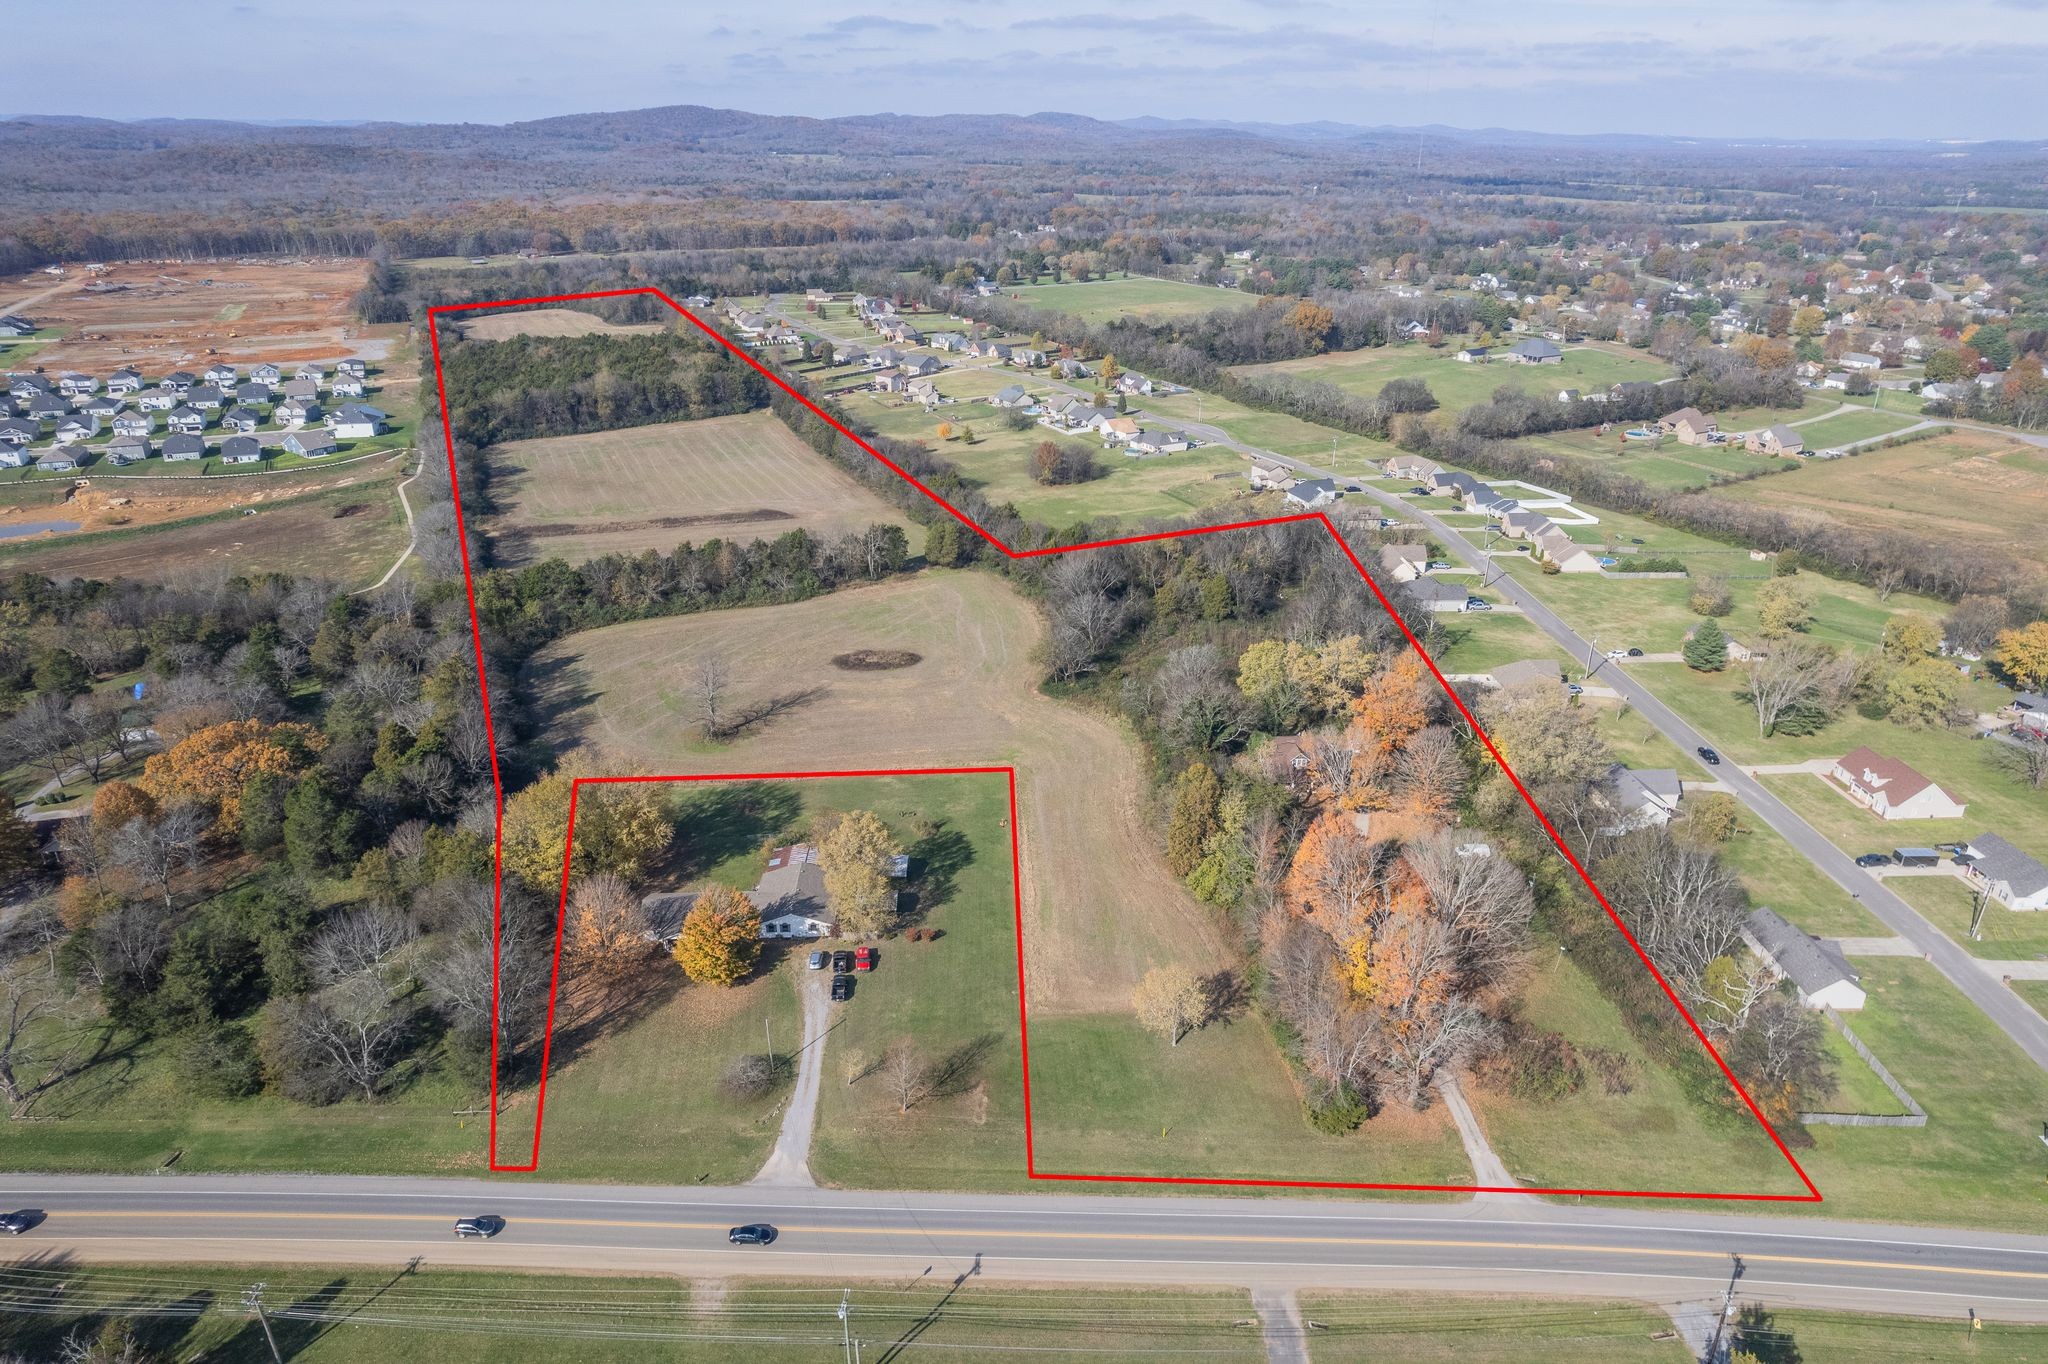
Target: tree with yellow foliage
(721, 938)
(214, 764)
(2023, 653)
(620, 828)
(854, 856)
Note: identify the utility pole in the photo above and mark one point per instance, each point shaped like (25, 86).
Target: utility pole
(1978, 902)
(846, 1323)
(252, 1300)
(1714, 1349)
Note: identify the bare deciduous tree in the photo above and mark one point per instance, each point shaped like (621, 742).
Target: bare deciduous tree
(156, 850)
(903, 1074)
(1797, 675)
(45, 1038)
(341, 1041)
(709, 681)
(359, 941)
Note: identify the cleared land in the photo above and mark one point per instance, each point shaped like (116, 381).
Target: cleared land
(1148, 299)
(1845, 428)
(350, 529)
(1458, 385)
(1100, 906)
(159, 315)
(1368, 1326)
(653, 487)
(1961, 487)
(497, 326)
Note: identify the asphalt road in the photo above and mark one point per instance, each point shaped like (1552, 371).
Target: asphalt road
(1534, 1247)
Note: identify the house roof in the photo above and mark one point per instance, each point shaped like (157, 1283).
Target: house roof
(1538, 348)
(1390, 555)
(1899, 782)
(183, 445)
(1009, 393)
(1437, 589)
(235, 446)
(1997, 860)
(1808, 962)
(1528, 670)
(1309, 489)
(1689, 416)
(1785, 435)
(1638, 786)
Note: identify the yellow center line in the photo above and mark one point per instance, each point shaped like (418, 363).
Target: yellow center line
(1170, 1238)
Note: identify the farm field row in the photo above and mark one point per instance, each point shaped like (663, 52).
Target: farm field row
(1459, 385)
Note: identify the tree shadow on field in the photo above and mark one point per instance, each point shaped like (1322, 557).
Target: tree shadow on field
(759, 714)
(960, 1069)
(936, 861)
(562, 701)
(1226, 997)
(589, 1012)
(724, 819)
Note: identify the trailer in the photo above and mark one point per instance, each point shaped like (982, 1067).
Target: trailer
(1916, 857)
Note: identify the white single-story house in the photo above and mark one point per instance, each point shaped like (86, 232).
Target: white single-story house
(1816, 968)
(1642, 797)
(1412, 466)
(1568, 554)
(1890, 789)
(311, 444)
(2012, 878)
(1310, 493)
(1404, 563)
(1438, 594)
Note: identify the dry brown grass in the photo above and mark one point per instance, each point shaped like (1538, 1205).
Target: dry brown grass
(652, 487)
(1099, 903)
(498, 326)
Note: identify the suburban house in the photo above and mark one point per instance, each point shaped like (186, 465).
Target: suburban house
(1313, 492)
(310, 373)
(103, 407)
(241, 450)
(123, 382)
(1775, 440)
(205, 397)
(1287, 760)
(82, 427)
(344, 386)
(2009, 876)
(1436, 594)
(178, 381)
(1472, 355)
(1690, 425)
(46, 407)
(75, 385)
(1817, 969)
(1523, 524)
(790, 898)
(1454, 481)
(304, 390)
(354, 421)
(296, 412)
(157, 400)
(1413, 466)
(266, 374)
(889, 381)
(1011, 395)
(60, 459)
(1568, 554)
(1890, 789)
(1073, 369)
(184, 446)
(1119, 429)
(1837, 379)
(19, 431)
(128, 450)
(1149, 441)
(1526, 671)
(1267, 476)
(1641, 797)
(847, 353)
(2029, 711)
(1404, 563)
(133, 424)
(918, 366)
(946, 341)
(353, 368)
(14, 327)
(1134, 383)
(1856, 359)
(221, 373)
(311, 444)
(1025, 357)
(242, 419)
(923, 391)
(888, 357)
(1535, 351)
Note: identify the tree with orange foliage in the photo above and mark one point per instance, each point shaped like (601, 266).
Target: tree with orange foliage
(1394, 706)
(603, 938)
(118, 802)
(1338, 879)
(213, 765)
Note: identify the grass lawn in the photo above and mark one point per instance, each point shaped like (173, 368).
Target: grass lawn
(1477, 642)
(1109, 1097)
(997, 462)
(1742, 420)
(1654, 1137)
(1151, 300)
(1322, 446)
(2008, 935)
(1490, 1330)
(437, 1316)
(1775, 874)
(1458, 385)
(1823, 1337)
(1663, 464)
(1857, 1088)
(2035, 992)
(1846, 427)
(954, 1001)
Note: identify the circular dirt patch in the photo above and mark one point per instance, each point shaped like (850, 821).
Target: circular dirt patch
(876, 660)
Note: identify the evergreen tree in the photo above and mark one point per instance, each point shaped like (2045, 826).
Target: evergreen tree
(1707, 650)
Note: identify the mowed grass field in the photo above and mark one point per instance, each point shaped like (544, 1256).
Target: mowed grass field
(1150, 300)
(1100, 907)
(997, 461)
(351, 534)
(745, 477)
(1458, 385)
(1357, 1327)
(1963, 487)
(1845, 428)
(500, 325)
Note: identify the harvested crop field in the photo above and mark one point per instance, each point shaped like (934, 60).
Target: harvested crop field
(350, 530)
(160, 315)
(653, 487)
(1100, 906)
(498, 326)
(1967, 487)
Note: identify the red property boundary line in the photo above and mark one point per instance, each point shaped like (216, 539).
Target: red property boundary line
(1812, 1194)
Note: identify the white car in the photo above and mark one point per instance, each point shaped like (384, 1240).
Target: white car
(1617, 653)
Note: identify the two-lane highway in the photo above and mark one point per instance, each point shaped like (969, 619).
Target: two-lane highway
(1655, 1255)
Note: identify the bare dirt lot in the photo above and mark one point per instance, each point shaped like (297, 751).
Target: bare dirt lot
(1100, 906)
(344, 524)
(653, 487)
(549, 322)
(161, 315)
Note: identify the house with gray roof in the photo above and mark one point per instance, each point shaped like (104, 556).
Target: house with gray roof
(241, 450)
(1778, 439)
(1435, 594)
(1310, 493)
(1640, 796)
(134, 424)
(128, 449)
(1404, 563)
(242, 419)
(184, 446)
(1816, 968)
(186, 421)
(2011, 877)
(1536, 351)
(311, 443)
(1011, 395)
(19, 431)
(1529, 671)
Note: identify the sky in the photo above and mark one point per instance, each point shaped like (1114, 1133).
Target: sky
(1965, 69)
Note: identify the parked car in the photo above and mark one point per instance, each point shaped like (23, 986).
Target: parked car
(1574, 689)
(15, 1223)
(1617, 653)
(1635, 539)
(1418, 492)
(1952, 849)
(1635, 653)
(1708, 756)
(485, 1227)
(1478, 604)
(1353, 488)
(842, 962)
(820, 959)
(752, 1234)
(1874, 860)
(1434, 564)
(842, 987)
(864, 959)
